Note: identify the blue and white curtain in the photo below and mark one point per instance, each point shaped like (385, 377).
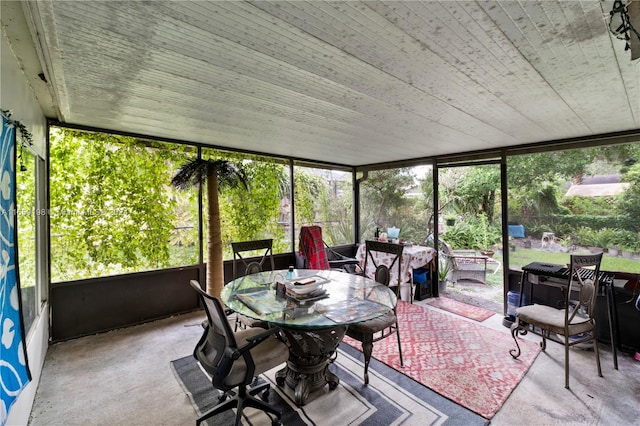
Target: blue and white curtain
(14, 370)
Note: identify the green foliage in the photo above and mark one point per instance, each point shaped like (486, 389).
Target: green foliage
(473, 232)
(444, 268)
(487, 234)
(604, 237)
(532, 170)
(627, 240)
(460, 236)
(261, 199)
(325, 197)
(562, 230)
(426, 190)
(593, 222)
(26, 219)
(338, 215)
(629, 203)
(594, 206)
(384, 204)
(253, 212)
(383, 194)
(104, 190)
(308, 189)
(585, 237)
(479, 190)
(450, 203)
(534, 201)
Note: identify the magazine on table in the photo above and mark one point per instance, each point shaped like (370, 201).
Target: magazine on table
(262, 302)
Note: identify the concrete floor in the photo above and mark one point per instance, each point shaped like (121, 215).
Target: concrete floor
(123, 377)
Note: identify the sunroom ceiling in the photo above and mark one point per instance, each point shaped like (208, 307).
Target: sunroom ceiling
(347, 82)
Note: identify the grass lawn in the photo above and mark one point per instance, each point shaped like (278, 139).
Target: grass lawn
(523, 257)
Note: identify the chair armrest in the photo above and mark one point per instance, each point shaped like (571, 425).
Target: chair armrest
(462, 252)
(468, 256)
(252, 341)
(461, 259)
(245, 351)
(256, 339)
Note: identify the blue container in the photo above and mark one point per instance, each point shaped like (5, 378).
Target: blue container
(513, 297)
(420, 275)
(516, 231)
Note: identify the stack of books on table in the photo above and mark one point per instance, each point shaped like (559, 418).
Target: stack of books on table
(308, 297)
(306, 290)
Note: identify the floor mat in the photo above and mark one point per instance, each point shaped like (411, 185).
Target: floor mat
(464, 361)
(390, 398)
(460, 308)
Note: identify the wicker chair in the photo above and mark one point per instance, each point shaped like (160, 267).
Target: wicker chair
(465, 264)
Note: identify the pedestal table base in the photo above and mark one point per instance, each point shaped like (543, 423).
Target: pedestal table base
(310, 352)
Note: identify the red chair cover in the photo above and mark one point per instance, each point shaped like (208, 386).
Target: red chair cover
(312, 249)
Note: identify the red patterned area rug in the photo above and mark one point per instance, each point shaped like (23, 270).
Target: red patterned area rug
(464, 309)
(464, 361)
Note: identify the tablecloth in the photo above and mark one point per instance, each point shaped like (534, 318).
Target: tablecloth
(412, 257)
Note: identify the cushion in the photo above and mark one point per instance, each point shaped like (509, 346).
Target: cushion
(552, 319)
(266, 355)
(373, 325)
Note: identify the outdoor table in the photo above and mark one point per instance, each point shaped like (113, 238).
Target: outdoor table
(413, 257)
(313, 328)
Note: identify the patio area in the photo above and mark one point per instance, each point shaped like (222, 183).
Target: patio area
(124, 377)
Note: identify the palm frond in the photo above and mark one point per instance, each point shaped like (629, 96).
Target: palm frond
(230, 175)
(196, 171)
(191, 173)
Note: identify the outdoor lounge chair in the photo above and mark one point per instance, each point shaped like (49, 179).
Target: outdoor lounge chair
(465, 264)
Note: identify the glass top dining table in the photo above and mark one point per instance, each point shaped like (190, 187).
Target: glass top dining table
(346, 299)
(314, 326)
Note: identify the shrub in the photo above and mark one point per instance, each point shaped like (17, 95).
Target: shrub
(626, 240)
(604, 237)
(585, 237)
(473, 233)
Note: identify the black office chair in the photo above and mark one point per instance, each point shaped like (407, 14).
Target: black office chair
(234, 359)
(376, 329)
